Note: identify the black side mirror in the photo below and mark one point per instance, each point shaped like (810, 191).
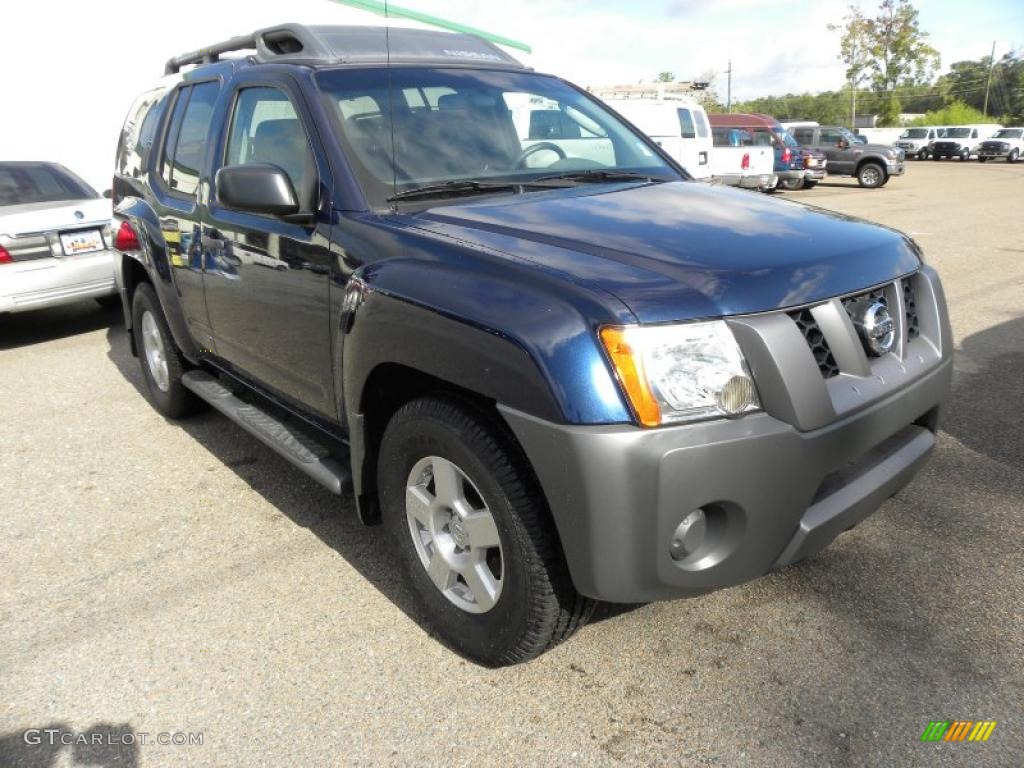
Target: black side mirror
(108, 193)
(256, 188)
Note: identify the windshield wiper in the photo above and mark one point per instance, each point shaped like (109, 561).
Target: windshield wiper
(454, 189)
(597, 175)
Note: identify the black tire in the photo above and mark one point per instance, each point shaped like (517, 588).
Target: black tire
(965, 155)
(922, 155)
(175, 401)
(982, 159)
(1013, 156)
(871, 176)
(791, 185)
(538, 606)
(810, 184)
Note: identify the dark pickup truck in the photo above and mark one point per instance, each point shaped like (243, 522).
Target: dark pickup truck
(557, 370)
(872, 164)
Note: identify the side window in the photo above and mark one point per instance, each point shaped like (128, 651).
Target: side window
(701, 121)
(192, 139)
(830, 137)
(974, 133)
(803, 135)
(265, 128)
(185, 145)
(553, 124)
(686, 129)
(147, 133)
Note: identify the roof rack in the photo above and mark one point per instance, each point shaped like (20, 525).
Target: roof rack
(301, 44)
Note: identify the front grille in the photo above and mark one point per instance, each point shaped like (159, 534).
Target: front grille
(910, 309)
(816, 341)
(850, 301)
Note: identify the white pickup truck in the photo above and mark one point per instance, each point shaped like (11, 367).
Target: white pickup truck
(738, 162)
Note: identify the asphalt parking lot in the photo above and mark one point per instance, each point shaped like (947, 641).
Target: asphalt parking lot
(179, 578)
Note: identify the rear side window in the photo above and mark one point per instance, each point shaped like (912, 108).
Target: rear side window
(266, 128)
(40, 183)
(189, 131)
(701, 121)
(686, 128)
(803, 135)
(139, 133)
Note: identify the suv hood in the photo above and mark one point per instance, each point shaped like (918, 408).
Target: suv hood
(45, 217)
(684, 250)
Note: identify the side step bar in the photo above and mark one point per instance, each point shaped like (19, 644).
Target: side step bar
(302, 450)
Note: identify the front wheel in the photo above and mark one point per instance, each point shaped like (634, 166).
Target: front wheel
(965, 154)
(922, 155)
(791, 185)
(1013, 156)
(162, 362)
(871, 175)
(982, 159)
(474, 534)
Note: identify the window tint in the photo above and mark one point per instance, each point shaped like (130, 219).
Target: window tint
(803, 135)
(139, 133)
(686, 128)
(40, 183)
(171, 140)
(830, 136)
(266, 129)
(192, 138)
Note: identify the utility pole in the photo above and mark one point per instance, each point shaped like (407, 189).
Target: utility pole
(853, 92)
(728, 88)
(991, 66)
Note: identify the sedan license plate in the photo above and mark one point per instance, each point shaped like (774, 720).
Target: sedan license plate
(83, 241)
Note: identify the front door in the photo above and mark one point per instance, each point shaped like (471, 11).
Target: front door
(832, 143)
(267, 277)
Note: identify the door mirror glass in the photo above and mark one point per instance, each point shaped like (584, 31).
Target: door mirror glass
(256, 188)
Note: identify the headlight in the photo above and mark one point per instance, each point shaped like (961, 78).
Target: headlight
(685, 372)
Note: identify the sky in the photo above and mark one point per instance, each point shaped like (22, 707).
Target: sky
(69, 69)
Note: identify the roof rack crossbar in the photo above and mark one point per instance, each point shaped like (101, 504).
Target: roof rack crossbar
(211, 53)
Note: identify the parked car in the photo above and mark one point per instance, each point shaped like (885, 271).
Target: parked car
(789, 166)
(1006, 142)
(815, 165)
(737, 161)
(915, 142)
(961, 141)
(679, 126)
(872, 164)
(55, 241)
(552, 383)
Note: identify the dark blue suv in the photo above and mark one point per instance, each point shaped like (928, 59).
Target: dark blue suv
(474, 298)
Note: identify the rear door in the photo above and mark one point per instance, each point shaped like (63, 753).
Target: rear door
(839, 159)
(176, 197)
(267, 276)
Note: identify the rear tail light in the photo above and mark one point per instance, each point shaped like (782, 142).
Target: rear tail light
(126, 239)
(745, 165)
(787, 155)
(5, 257)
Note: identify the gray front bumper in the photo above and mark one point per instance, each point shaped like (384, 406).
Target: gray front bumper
(775, 486)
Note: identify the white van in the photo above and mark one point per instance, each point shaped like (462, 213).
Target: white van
(962, 140)
(678, 125)
(915, 141)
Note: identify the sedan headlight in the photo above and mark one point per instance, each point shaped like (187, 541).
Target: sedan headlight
(684, 372)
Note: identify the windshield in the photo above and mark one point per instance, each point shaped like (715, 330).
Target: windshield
(915, 133)
(441, 126)
(40, 183)
(1009, 133)
(958, 133)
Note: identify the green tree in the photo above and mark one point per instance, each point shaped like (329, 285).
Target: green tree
(666, 77)
(954, 113)
(890, 50)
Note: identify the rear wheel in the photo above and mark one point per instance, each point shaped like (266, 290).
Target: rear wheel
(474, 534)
(871, 175)
(162, 363)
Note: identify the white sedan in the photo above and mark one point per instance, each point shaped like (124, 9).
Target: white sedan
(55, 238)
